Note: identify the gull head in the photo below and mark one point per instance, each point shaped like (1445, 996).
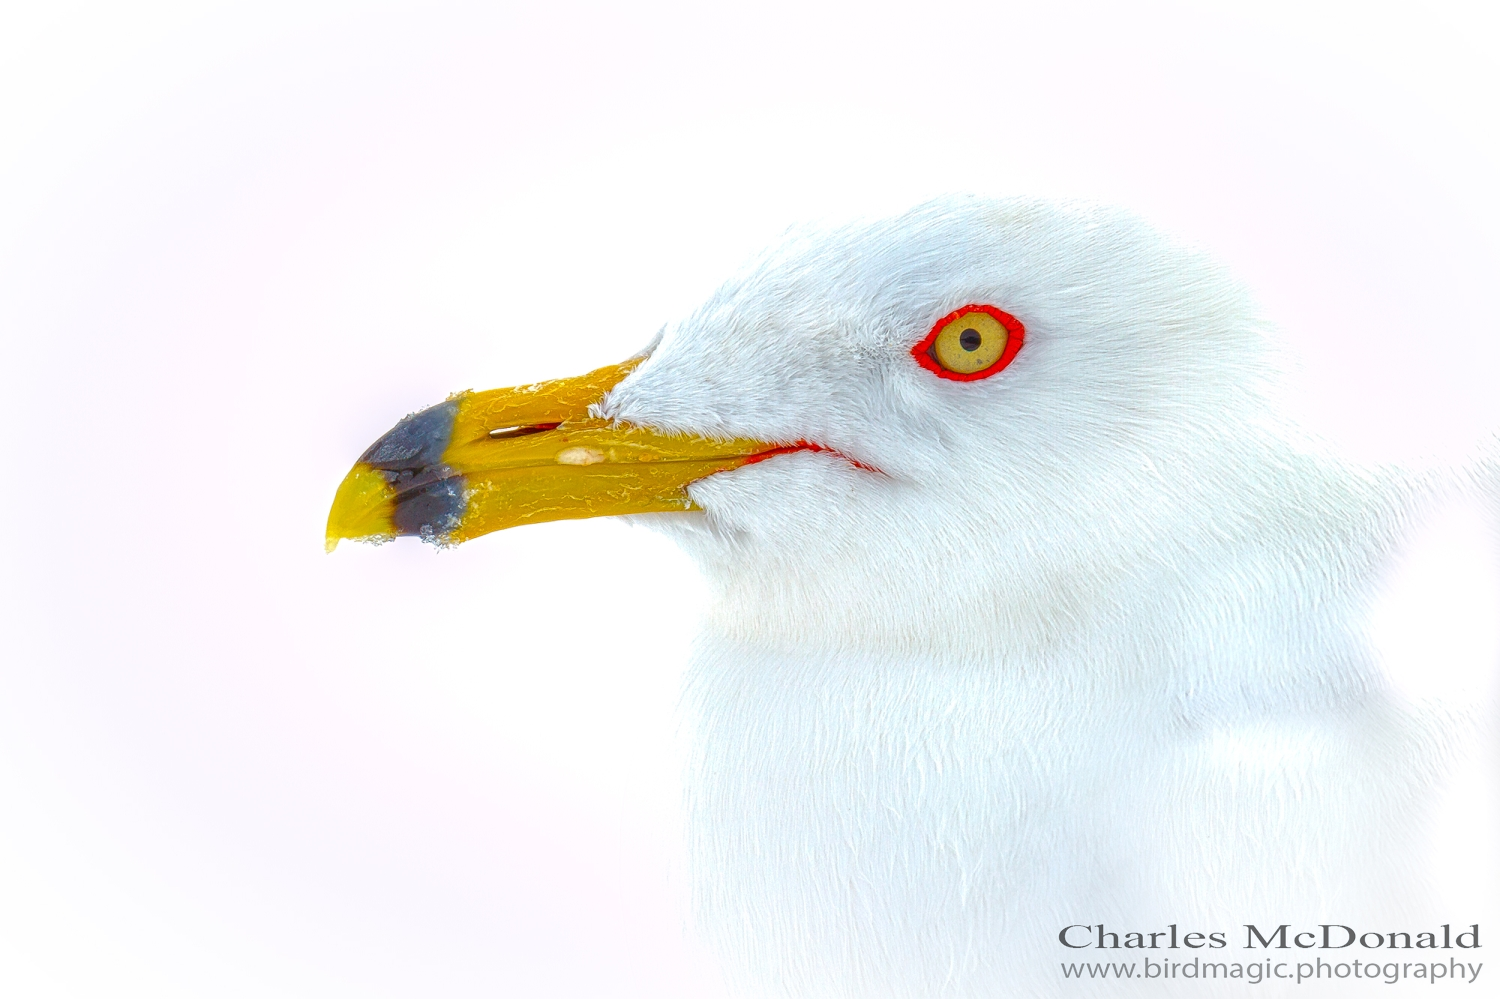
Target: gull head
(881, 431)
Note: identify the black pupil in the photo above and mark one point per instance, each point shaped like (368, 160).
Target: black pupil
(969, 339)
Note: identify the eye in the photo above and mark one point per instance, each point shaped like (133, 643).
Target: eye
(972, 343)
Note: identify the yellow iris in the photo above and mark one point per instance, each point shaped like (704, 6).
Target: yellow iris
(970, 343)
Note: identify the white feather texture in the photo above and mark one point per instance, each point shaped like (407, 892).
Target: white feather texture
(1105, 639)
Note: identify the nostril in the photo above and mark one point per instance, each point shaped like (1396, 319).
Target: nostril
(506, 433)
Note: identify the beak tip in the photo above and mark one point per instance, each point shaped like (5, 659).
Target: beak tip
(362, 508)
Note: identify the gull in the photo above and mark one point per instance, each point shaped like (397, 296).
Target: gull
(1037, 619)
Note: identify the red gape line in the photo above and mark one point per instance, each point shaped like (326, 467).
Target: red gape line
(810, 446)
(1014, 331)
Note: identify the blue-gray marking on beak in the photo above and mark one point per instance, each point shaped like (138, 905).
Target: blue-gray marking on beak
(429, 495)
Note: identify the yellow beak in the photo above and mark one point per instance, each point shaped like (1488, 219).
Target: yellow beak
(485, 461)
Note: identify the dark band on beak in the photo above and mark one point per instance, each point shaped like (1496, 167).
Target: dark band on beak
(428, 495)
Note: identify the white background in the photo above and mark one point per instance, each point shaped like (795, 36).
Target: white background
(237, 242)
